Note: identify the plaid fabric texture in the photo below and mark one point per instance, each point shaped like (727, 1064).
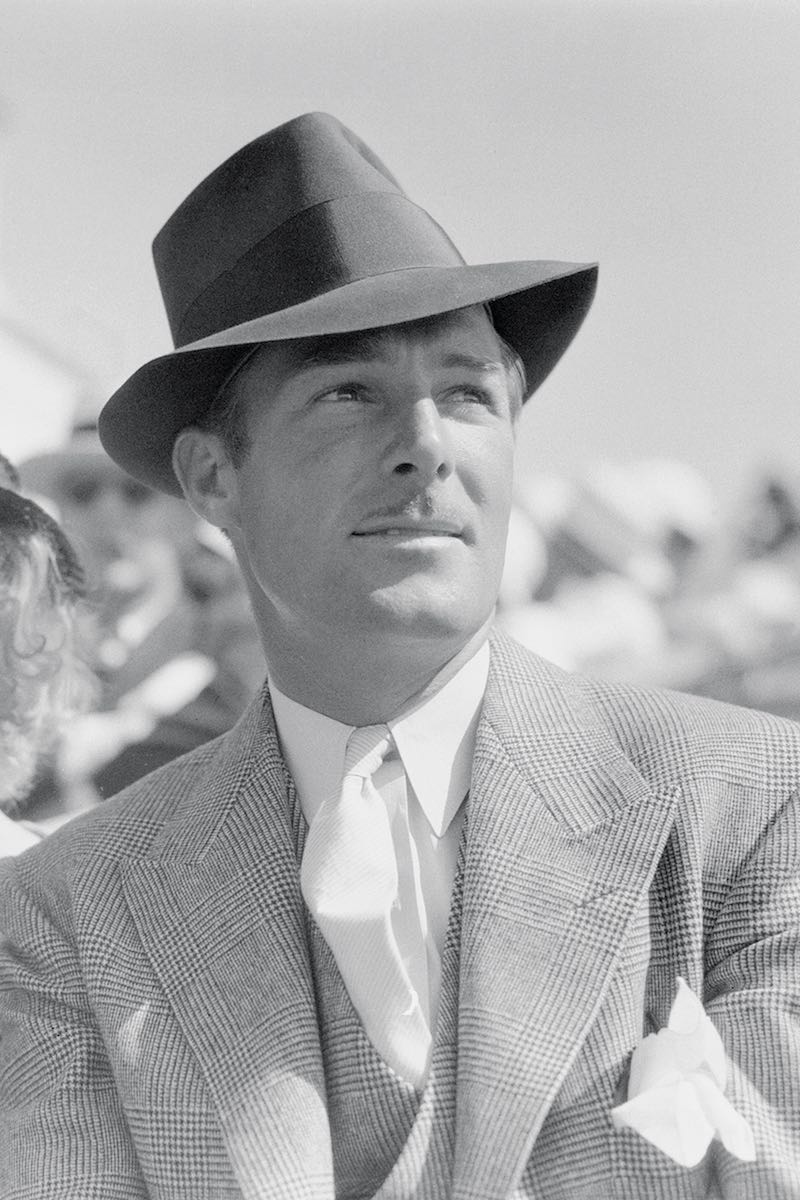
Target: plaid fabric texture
(159, 1025)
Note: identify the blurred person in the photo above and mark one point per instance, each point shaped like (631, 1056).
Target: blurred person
(770, 580)
(525, 562)
(601, 580)
(535, 623)
(743, 605)
(44, 679)
(222, 681)
(682, 510)
(402, 931)
(772, 518)
(153, 579)
(130, 539)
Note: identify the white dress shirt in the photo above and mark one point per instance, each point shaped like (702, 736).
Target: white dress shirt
(425, 787)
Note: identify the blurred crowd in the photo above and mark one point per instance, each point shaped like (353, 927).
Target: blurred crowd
(635, 573)
(127, 637)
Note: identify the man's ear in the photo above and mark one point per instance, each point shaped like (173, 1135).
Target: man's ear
(207, 476)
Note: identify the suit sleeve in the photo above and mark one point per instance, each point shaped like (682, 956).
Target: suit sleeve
(752, 993)
(62, 1130)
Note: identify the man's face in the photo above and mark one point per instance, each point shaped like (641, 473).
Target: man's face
(375, 493)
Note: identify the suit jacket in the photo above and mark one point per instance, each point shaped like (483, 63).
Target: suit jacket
(159, 1032)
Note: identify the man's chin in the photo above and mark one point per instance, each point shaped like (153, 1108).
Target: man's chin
(421, 613)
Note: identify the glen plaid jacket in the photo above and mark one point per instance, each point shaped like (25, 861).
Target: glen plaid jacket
(159, 1033)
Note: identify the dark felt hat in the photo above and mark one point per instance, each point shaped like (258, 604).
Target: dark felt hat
(305, 232)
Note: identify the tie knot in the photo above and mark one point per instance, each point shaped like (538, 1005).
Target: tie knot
(366, 750)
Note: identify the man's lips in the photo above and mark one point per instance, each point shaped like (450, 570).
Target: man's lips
(403, 527)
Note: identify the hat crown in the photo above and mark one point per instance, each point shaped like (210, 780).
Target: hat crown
(305, 233)
(301, 210)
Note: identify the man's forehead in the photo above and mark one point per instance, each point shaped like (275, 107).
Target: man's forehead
(368, 344)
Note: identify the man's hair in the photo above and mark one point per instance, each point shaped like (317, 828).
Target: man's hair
(227, 418)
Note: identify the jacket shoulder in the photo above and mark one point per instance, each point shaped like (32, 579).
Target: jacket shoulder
(121, 828)
(674, 736)
(670, 737)
(174, 811)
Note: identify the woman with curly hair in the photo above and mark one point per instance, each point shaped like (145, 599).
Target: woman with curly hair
(43, 679)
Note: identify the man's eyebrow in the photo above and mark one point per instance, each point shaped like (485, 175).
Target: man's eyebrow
(472, 362)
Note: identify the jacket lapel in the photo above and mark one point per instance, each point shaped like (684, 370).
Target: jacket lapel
(564, 838)
(219, 912)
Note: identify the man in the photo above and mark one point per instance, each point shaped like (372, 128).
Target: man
(400, 931)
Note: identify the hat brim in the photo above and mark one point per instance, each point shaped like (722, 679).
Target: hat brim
(537, 307)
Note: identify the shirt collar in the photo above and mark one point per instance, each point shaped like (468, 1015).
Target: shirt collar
(435, 740)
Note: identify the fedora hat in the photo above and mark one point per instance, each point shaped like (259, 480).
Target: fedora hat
(305, 232)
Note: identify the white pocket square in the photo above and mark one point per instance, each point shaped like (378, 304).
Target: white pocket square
(676, 1088)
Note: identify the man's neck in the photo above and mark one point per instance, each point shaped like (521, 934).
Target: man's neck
(368, 685)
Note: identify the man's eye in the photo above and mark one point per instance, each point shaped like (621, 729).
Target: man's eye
(348, 393)
(471, 395)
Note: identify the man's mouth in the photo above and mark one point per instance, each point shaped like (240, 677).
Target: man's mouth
(409, 529)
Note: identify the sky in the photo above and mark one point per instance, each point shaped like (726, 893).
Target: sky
(661, 139)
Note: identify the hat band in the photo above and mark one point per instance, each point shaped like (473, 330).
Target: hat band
(321, 249)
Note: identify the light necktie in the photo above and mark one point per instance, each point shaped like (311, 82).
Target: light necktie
(349, 881)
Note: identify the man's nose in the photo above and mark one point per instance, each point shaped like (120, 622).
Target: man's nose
(419, 443)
